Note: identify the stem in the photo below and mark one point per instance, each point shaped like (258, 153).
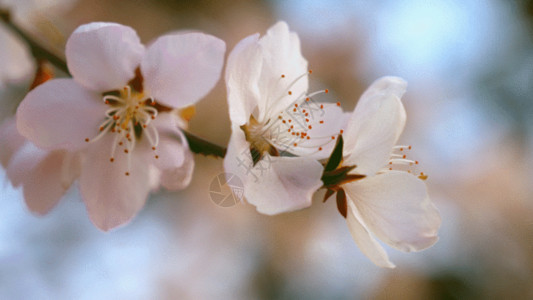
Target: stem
(196, 144)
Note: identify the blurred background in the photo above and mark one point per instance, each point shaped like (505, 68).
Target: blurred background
(469, 65)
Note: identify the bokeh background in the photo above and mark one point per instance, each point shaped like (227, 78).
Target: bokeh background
(469, 65)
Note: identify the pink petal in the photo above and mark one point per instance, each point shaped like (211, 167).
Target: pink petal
(103, 56)
(395, 207)
(44, 175)
(111, 197)
(60, 114)
(365, 241)
(238, 159)
(372, 131)
(181, 69)
(242, 78)
(282, 184)
(174, 159)
(10, 139)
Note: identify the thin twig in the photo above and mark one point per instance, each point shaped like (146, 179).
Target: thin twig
(196, 144)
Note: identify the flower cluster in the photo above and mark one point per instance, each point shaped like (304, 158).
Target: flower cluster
(117, 128)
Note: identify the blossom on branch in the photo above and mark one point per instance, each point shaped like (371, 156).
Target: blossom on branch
(119, 111)
(379, 192)
(278, 130)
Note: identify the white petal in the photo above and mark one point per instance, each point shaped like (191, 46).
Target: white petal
(388, 85)
(103, 56)
(242, 78)
(395, 207)
(372, 131)
(60, 114)
(366, 242)
(181, 69)
(281, 55)
(238, 160)
(17, 63)
(10, 139)
(282, 184)
(43, 176)
(325, 123)
(111, 197)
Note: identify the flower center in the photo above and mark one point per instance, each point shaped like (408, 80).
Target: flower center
(129, 118)
(297, 130)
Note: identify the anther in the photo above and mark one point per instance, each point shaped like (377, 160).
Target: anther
(111, 159)
(126, 151)
(127, 173)
(338, 104)
(290, 93)
(282, 75)
(87, 140)
(326, 91)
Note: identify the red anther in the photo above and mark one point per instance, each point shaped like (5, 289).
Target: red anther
(342, 131)
(307, 114)
(293, 133)
(321, 122)
(282, 75)
(157, 156)
(321, 106)
(307, 99)
(144, 125)
(332, 137)
(87, 140)
(284, 121)
(127, 173)
(153, 117)
(111, 159)
(153, 148)
(390, 169)
(126, 151)
(405, 156)
(416, 162)
(319, 148)
(128, 136)
(294, 110)
(101, 128)
(289, 130)
(295, 105)
(338, 104)
(292, 126)
(106, 102)
(306, 119)
(295, 144)
(279, 117)
(290, 93)
(310, 71)
(401, 149)
(308, 137)
(290, 121)
(409, 147)
(120, 143)
(390, 162)
(326, 91)
(310, 127)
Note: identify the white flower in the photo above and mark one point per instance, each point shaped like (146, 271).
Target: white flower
(117, 110)
(44, 175)
(382, 196)
(278, 131)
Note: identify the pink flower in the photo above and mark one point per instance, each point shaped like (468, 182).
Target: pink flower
(119, 112)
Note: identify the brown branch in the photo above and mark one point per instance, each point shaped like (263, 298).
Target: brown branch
(196, 144)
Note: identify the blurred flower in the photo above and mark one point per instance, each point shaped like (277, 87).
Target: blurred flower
(272, 115)
(111, 103)
(380, 194)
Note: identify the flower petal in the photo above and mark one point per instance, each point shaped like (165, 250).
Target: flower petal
(319, 123)
(282, 184)
(103, 56)
(373, 130)
(281, 55)
(174, 159)
(242, 77)
(365, 241)
(396, 208)
(60, 114)
(11, 141)
(238, 160)
(111, 197)
(44, 175)
(181, 69)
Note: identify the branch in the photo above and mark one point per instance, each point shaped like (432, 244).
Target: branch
(196, 144)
